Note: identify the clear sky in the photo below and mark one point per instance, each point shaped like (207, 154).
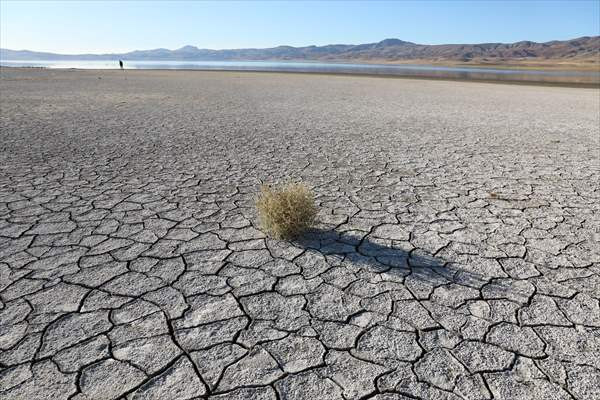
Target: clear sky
(116, 26)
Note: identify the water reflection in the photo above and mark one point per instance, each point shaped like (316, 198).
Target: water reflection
(409, 70)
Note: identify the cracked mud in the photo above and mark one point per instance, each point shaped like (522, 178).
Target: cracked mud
(456, 254)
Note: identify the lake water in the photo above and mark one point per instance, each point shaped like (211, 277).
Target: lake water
(476, 73)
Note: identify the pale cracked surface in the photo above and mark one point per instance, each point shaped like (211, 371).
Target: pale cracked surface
(456, 256)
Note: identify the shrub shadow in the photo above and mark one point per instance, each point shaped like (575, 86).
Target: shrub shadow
(381, 255)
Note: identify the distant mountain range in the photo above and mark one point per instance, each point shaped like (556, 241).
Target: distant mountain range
(581, 50)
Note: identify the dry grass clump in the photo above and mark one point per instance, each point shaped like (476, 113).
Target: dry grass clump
(287, 212)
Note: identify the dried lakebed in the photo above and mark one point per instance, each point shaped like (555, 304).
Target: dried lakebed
(456, 255)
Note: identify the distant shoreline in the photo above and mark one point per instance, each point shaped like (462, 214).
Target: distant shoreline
(577, 54)
(549, 82)
(549, 65)
(543, 65)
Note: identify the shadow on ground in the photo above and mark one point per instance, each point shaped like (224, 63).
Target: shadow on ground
(381, 255)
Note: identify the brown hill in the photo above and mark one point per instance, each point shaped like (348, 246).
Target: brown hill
(584, 51)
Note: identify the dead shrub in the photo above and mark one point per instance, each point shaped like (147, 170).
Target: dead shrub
(286, 212)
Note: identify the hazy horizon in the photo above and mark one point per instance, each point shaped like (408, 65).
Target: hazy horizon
(109, 27)
(282, 44)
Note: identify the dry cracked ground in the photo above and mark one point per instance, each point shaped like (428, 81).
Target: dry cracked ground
(456, 255)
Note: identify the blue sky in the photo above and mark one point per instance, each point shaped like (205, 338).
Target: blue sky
(113, 26)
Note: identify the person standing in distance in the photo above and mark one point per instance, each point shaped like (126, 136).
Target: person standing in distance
(121, 64)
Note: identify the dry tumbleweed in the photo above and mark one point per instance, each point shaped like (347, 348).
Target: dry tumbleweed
(287, 212)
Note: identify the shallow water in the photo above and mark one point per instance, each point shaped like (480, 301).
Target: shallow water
(477, 73)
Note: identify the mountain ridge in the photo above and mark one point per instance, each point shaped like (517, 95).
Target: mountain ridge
(582, 49)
